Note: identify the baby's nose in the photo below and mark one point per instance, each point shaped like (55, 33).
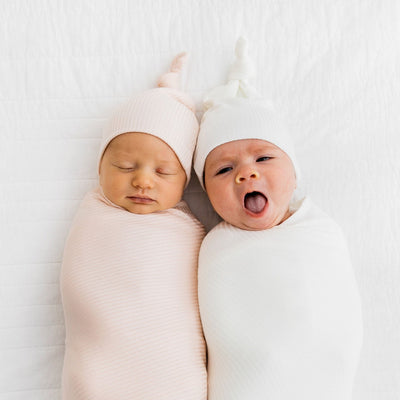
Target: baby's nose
(246, 174)
(143, 180)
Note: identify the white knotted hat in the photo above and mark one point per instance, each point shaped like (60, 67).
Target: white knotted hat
(164, 112)
(235, 111)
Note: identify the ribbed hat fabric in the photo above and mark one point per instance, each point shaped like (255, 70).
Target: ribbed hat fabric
(234, 111)
(164, 112)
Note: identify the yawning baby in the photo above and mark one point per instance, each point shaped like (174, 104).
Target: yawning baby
(278, 299)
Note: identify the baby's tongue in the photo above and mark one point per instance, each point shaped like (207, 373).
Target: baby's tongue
(255, 202)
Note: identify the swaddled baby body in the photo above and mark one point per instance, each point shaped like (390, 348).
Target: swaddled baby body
(278, 299)
(129, 273)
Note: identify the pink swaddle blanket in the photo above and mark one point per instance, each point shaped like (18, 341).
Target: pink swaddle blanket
(129, 290)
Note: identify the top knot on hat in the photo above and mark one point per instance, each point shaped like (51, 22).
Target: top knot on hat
(243, 68)
(237, 86)
(165, 112)
(171, 79)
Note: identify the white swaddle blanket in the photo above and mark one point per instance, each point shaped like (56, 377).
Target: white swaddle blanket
(280, 310)
(129, 291)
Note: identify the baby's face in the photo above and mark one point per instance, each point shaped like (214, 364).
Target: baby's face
(141, 173)
(250, 183)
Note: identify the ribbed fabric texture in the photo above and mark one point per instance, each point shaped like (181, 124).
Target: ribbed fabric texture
(241, 118)
(163, 112)
(280, 310)
(129, 291)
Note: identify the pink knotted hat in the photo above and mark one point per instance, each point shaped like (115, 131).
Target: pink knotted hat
(164, 112)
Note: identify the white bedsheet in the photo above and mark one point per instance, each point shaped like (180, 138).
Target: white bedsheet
(332, 67)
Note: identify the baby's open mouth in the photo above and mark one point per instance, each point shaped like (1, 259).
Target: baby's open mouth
(255, 202)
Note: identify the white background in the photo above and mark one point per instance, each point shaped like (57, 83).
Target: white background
(331, 67)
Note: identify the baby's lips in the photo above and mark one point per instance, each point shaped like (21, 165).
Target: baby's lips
(138, 199)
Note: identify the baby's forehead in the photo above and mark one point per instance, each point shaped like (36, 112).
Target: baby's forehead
(141, 145)
(236, 147)
(136, 141)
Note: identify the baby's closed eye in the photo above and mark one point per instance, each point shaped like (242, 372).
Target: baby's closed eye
(123, 167)
(166, 171)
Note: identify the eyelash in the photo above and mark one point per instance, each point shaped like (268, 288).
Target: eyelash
(223, 170)
(265, 158)
(164, 173)
(125, 169)
(132, 169)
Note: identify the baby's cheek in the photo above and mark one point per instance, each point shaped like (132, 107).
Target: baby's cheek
(175, 193)
(105, 180)
(111, 186)
(215, 194)
(226, 205)
(282, 181)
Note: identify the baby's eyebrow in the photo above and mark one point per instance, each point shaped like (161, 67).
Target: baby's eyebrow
(166, 161)
(265, 149)
(220, 161)
(119, 158)
(120, 154)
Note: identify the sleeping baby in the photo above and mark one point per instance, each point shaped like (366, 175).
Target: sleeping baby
(129, 273)
(278, 298)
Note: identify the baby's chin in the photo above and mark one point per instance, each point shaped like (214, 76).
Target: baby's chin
(147, 209)
(249, 226)
(254, 223)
